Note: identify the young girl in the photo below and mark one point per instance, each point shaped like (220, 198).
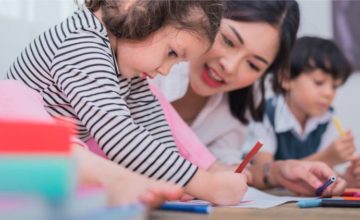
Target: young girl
(298, 122)
(255, 38)
(91, 67)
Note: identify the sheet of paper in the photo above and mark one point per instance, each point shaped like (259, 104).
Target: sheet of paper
(255, 198)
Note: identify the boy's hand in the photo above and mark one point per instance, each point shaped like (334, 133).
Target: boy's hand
(352, 173)
(304, 177)
(341, 150)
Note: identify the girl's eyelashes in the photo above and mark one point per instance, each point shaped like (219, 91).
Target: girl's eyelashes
(172, 53)
(227, 41)
(253, 66)
(319, 82)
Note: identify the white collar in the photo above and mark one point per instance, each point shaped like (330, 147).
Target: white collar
(285, 120)
(212, 103)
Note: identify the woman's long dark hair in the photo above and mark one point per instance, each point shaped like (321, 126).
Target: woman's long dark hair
(285, 16)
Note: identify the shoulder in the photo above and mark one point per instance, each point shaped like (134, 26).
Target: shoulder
(175, 84)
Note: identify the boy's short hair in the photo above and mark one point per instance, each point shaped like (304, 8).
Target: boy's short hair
(310, 53)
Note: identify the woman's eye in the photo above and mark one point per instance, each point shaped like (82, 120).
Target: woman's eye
(228, 42)
(254, 67)
(172, 53)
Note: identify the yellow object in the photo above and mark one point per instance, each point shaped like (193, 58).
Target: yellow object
(338, 126)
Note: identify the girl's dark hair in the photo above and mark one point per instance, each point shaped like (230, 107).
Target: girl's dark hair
(285, 16)
(137, 19)
(311, 53)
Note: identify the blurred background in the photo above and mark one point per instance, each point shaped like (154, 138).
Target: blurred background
(23, 20)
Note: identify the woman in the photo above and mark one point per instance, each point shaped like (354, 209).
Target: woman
(255, 38)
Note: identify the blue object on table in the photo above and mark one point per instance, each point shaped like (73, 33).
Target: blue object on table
(182, 207)
(309, 203)
(329, 202)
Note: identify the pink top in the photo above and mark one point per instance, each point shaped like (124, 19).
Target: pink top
(186, 140)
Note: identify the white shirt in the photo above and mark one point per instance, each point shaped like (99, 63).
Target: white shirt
(221, 132)
(286, 121)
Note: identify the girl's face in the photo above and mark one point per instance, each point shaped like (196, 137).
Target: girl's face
(241, 54)
(157, 53)
(311, 93)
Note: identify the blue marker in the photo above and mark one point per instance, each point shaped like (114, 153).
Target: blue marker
(195, 208)
(321, 189)
(333, 202)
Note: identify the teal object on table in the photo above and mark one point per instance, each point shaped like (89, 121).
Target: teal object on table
(53, 177)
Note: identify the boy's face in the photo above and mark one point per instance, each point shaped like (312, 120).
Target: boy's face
(311, 94)
(159, 52)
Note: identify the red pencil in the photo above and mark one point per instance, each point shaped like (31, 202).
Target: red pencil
(248, 157)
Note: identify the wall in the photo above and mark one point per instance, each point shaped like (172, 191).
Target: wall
(22, 20)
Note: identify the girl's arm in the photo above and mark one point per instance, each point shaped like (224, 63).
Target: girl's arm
(224, 187)
(121, 114)
(221, 188)
(133, 133)
(116, 180)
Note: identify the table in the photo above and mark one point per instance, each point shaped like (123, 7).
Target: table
(287, 212)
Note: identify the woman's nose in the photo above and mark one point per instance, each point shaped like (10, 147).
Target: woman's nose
(230, 63)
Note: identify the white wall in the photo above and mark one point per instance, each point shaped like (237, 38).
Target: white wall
(23, 20)
(315, 18)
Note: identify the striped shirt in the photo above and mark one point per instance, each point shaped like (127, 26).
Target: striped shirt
(73, 67)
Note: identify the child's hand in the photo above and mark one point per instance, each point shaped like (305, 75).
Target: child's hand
(228, 188)
(217, 166)
(186, 197)
(352, 174)
(341, 150)
(304, 177)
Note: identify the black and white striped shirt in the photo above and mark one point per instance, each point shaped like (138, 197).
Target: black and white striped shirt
(73, 68)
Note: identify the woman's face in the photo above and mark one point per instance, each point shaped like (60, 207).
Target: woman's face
(241, 54)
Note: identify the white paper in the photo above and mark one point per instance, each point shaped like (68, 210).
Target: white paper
(255, 198)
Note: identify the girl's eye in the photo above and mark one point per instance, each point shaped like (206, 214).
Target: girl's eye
(172, 53)
(318, 82)
(336, 86)
(227, 41)
(254, 67)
